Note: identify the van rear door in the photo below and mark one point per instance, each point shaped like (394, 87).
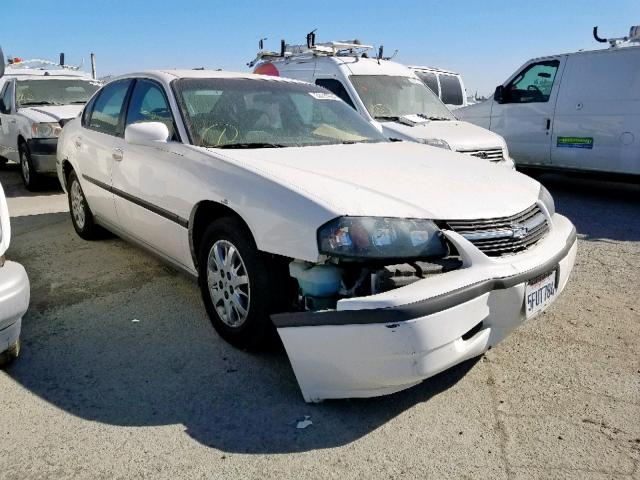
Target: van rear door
(597, 118)
(524, 113)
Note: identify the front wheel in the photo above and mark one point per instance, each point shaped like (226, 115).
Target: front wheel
(30, 177)
(240, 286)
(81, 215)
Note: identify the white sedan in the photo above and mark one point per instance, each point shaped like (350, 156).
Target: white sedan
(379, 263)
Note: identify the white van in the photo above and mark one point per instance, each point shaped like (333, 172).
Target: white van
(386, 93)
(37, 98)
(446, 84)
(575, 111)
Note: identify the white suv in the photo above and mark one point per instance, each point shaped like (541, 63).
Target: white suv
(380, 263)
(35, 103)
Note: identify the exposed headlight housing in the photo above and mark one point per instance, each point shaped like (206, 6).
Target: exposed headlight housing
(381, 238)
(545, 197)
(45, 130)
(436, 142)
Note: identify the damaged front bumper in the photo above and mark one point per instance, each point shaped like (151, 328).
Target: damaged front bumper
(384, 343)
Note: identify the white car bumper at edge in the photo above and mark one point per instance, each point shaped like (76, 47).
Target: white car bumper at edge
(384, 343)
(14, 301)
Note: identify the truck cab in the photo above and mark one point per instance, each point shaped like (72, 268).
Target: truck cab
(36, 99)
(577, 111)
(386, 93)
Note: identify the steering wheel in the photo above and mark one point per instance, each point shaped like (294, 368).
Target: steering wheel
(381, 110)
(219, 134)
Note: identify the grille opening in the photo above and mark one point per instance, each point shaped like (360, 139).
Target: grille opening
(491, 154)
(505, 235)
(472, 332)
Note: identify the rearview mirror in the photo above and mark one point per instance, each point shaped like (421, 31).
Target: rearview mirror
(498, 94)
(146, 133)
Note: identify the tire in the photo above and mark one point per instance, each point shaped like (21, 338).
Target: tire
(240, 299)
(81, 216)
(9, 355)
(32, 180)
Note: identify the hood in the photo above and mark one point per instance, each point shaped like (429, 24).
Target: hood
(395, 179)
(51, 113)
(458, 134)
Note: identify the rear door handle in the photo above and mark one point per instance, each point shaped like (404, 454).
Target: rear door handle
(117, 154)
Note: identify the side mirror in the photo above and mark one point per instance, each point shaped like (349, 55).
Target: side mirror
(498, 95)
(146, 133)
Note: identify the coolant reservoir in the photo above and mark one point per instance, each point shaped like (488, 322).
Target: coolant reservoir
(316, 280)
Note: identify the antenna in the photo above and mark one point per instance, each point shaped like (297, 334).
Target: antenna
(380, 52)
(283, 47)
(93, 66)
(598, 39)
(261, 43)
(61, 62)
(311, 38)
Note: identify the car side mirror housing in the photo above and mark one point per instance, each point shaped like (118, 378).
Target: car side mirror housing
(498, 95)
(146, 133)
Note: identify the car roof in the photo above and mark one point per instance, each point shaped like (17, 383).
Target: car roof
(432, 69)
(168, 75)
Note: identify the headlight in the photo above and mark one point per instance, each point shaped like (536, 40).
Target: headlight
(436, 142)
(45, 130)
(545, 197)
(381, 237)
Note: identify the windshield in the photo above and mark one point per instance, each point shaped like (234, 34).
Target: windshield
(54, 92)
(388, 98)
(257, 113)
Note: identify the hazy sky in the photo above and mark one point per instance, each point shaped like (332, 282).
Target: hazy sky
(484, 40)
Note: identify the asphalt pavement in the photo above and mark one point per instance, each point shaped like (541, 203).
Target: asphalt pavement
(122, 376)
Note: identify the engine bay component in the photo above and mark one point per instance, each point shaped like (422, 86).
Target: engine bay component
(390, 277)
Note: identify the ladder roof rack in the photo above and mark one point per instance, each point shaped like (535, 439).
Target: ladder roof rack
(331, 49)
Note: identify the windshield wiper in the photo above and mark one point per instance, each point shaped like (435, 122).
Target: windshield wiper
(387, 118)
(25, 104)
(432, 117)
(251, 145)
(78, 102)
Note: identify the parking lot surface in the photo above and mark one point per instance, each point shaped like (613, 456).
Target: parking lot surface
(122, 376)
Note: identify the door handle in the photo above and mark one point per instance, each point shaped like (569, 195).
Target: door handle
(13, 120)
(117, 154)
(548, 123)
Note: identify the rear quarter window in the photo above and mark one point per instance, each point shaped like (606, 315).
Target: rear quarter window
(451, 90)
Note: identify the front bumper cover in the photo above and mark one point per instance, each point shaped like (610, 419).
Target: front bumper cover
(14, 301)
(374, 346)
(43, 154)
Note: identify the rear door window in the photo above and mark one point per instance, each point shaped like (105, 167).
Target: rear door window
(107, 114)
(430, 80)
(337, 88)
(451, 90)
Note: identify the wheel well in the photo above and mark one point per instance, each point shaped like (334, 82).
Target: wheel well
(203, 214)
(67, 168)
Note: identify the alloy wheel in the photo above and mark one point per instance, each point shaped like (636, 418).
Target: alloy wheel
(77, 204)
(228, 283)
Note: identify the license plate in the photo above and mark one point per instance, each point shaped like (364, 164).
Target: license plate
(539, 293)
